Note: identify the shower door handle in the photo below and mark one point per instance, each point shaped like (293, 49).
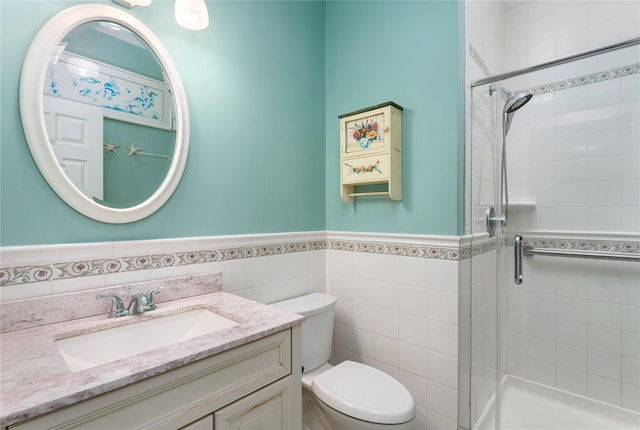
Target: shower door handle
(517, 255)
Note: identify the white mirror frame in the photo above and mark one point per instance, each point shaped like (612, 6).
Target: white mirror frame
(33, 121)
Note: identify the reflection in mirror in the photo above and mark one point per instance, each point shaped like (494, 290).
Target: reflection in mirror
(104, 113)
(109, 114)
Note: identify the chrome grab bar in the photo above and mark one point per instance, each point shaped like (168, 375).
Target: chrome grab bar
(517, 254)
(582, 254)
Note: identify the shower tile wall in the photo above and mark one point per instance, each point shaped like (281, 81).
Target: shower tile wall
(540, 31)
(575, 324)
(575, 150)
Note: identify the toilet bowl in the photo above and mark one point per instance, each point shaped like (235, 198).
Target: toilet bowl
(349, 395)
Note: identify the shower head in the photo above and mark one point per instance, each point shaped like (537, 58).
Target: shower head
(516, 101)
(513, 103)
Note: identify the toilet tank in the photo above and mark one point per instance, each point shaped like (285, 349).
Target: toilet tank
(317, 329)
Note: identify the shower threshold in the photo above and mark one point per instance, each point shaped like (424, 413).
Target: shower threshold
(533, 406)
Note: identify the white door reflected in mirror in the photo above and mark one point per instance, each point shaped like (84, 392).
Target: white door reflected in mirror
(75, 133)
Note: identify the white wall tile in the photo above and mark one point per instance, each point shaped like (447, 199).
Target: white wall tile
(442, 275)
(442, 337)
(572, 333)
(412, 359)
(630, 371)
(631, 318)
(438, 422)
(21, 292)
(605, 314)
(412, 300)
(442, 400)
(606, 390)
(542, 372)
(631, 344)
(442, 306)
(571, 380)
(604, 364)
(631, 397)
(542, 350)
(413, 330)
(572, 357)
(442, 369)
(386, 350)
(416, 385)
(385, 295)
(386, 322)
(363, 316)
(342, 336)
(363, 343)
(604, 339)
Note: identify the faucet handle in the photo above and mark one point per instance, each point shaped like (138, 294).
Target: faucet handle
(117, 308)
(151, 304)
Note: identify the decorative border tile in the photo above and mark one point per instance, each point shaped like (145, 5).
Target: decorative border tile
(75, 269)
(475, 56)
(405, 250)
(606, 75)
(484, 247)
(626, 247)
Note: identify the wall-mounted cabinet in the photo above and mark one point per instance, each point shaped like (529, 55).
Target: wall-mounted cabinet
(371, 151)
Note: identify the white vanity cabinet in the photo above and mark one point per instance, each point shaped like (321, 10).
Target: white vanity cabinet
(253, 386)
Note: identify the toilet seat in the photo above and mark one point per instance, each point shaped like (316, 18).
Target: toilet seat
(364, 393)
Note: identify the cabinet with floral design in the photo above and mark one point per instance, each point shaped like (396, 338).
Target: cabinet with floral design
(371, 151)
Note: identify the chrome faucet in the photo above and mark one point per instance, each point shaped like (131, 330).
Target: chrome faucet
(117, 308)
(149, 298)
(138, 304)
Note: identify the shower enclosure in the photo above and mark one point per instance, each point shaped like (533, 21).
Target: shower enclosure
(554, 211)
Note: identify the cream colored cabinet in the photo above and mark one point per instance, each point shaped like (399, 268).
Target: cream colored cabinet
(266, 409)
(371, 151)
(253, 386)
(205, 423)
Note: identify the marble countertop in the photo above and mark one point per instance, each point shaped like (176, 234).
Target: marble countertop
(36, 380)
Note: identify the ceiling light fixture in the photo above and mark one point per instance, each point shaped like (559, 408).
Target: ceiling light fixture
(192, 14)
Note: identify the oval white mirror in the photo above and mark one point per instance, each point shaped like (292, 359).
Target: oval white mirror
(109, 135)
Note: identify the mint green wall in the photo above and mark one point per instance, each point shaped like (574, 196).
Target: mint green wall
(255, 85)
(265, 83)
(121, 172)
(409, 53)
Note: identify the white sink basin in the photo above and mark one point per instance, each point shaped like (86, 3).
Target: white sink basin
(104, 346)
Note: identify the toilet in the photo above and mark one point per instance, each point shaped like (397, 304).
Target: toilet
(350, 395)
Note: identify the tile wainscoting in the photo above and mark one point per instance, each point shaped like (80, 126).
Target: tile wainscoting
(392, 290)
(404, 301)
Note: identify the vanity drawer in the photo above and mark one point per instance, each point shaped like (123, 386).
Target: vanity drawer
(180, 396)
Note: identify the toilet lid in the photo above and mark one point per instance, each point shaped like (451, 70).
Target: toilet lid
(365, 393)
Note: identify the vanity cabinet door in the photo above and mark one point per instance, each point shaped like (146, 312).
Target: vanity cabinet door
(205, 423)
(266, 409)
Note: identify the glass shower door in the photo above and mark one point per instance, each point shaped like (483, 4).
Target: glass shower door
(570, 333)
